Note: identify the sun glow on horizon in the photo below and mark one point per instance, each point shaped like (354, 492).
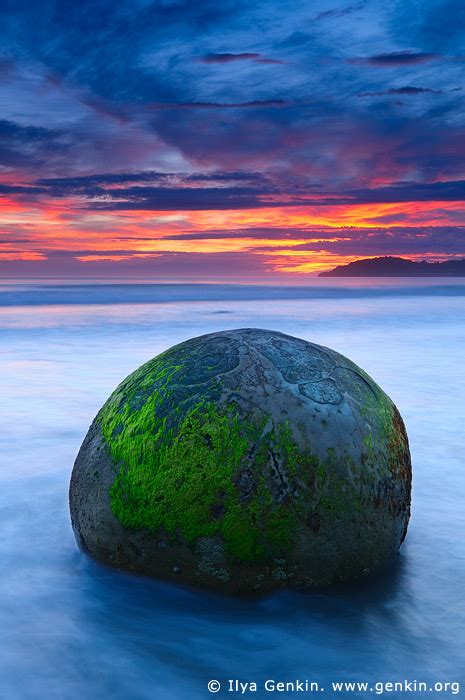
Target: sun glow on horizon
(283, 240)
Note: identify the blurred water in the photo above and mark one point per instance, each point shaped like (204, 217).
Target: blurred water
(72, 629)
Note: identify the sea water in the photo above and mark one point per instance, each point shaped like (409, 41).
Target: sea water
(70, 628)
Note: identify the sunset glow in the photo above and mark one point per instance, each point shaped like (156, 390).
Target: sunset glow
(280, 160)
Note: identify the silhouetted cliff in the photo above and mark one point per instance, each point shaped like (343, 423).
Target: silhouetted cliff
(397, 267)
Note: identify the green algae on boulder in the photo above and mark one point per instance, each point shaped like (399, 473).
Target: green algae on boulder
(245, 461)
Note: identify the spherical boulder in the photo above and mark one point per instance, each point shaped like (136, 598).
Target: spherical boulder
(245, 461)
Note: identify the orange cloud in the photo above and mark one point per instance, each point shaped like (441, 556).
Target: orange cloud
(32, 231)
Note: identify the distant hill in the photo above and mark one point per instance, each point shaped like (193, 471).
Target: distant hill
(397, 267)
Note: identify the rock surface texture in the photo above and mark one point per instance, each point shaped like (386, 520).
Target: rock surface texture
(243, 462)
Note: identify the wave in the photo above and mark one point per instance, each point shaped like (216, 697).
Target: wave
(155, 293)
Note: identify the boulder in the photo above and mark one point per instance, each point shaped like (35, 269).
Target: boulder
(244, 462)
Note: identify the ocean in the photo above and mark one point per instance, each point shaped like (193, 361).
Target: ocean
(70, 628)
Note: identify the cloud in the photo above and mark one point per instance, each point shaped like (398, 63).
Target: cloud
(232, 57)
(262, 232)
(252, 104)
(436, 25)
(13, 241)
(340, 11)
(7, 67)
(154, 191)
(166, 264)
(348, 240)
(26, 134)
(326, 244)
(450, 240)
(271, 61)
(118, 110)
(407, 90)
(396, 58)
(228, 57)
(112, 183)
(178, 199)
(30, 146)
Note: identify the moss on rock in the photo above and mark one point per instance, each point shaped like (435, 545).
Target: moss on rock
(245, 460)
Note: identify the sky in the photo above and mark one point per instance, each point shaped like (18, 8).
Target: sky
(229, 139)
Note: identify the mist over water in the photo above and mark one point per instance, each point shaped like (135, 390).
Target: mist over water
(73, 629)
